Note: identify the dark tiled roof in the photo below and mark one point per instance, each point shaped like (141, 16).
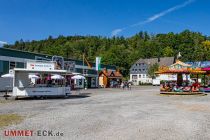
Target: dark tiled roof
(167, 61)
(163, 61)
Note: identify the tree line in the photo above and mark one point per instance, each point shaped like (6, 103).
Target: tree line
(121, 51)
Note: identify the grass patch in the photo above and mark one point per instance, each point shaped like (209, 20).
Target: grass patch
(4, 101)
(8, 119)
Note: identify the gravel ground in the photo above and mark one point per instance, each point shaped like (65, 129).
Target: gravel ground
(141, 113)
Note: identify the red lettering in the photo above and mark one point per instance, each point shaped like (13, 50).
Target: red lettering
(6, 133)
(13, 133)
(28, 133)
(31, 132)
(20, 133)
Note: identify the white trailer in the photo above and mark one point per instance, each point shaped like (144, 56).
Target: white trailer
(5, 84)
(24, 87)
(155, 82)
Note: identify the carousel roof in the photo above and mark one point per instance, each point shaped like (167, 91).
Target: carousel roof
(183, 71)
(177, 70)
(206, 69)
(178, 62)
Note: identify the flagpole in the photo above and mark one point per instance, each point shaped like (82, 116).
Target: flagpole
(83, 69)
(83, 63)
(97, 79)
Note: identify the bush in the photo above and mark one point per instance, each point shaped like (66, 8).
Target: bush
(144, 84)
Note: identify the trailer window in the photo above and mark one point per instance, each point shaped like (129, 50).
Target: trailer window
(12, 65)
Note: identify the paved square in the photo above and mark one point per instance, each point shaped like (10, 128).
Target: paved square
(141, 113)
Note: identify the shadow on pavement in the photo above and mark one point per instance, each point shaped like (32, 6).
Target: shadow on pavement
(72, 96)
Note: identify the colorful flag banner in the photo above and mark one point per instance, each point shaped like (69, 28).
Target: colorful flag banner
(98, 63)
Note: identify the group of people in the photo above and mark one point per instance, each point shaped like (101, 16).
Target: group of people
(126, 85)
(123, 85)
(173, 87)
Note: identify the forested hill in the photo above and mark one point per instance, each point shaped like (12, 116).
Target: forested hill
(120, 51)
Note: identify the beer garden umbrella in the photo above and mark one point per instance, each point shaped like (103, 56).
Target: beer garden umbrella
(78, 77)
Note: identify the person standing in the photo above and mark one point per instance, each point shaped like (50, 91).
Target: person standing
(129, 85)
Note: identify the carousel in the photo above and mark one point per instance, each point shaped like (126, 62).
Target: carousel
(206, 88)
(188, 86)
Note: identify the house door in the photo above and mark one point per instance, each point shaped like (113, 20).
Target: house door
(89, 82)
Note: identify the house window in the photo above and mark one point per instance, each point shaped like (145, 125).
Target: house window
(143, 69)
(134, 76)
(12, 65)
(139, 69)
(136, 70)
(85, 71)
(136, 64)
(143, 76)
(139, 75)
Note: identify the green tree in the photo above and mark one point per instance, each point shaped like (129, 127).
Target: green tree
(168, 52)
(121, 51)
(152, 69)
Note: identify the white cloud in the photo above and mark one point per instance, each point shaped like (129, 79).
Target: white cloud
(155, 16)
(3, 42)
(163, 13)
(116, 32)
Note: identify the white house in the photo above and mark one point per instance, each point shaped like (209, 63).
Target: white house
(139, 70)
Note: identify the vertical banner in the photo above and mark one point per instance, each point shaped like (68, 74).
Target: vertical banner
(59, 62)
(98, 63)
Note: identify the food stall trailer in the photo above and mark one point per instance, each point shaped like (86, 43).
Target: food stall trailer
(23, 86)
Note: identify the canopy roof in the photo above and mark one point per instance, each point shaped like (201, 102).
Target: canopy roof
(78, 77)
(39, 71)
(206, 69)
(178, 62)
(179, 67)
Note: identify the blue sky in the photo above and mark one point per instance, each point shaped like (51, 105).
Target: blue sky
(37, 19)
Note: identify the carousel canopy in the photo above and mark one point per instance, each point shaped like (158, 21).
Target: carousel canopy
(179, 64)
(179, 68)
(206, 69)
